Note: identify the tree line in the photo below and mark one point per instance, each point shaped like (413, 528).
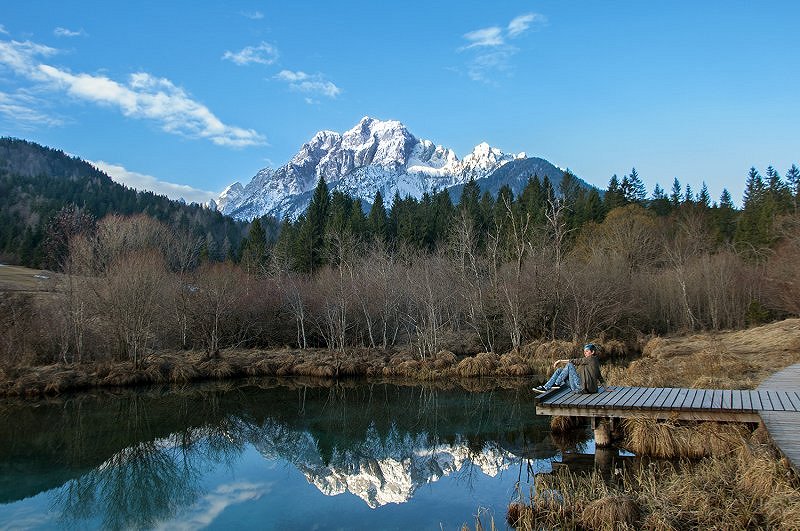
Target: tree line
(480, 274)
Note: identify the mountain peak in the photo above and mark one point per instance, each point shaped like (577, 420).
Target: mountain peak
(373, 156)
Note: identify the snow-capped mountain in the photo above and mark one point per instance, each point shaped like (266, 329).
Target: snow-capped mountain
(373, 156)
(380, 469)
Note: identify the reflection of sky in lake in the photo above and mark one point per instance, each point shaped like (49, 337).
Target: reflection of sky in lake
(256, 463)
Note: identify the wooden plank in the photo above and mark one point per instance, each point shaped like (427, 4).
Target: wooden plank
(655, 398)
(596, 397)
(736, 400)
(727, 399)
(719, 416)
(610, 397)
(564, 396)
(766, 403)
(670, 400)
(716, 401)
(708, 399)
(697, 403)
(755, 398)
(643, 398)
(666, 401)
(795, 399)
(679, 398)
(747, 402)
(631, 398)
(777, 403)
(620, 398)
(687, 402)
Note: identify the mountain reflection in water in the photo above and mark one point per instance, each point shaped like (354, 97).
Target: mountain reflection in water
(146, 458)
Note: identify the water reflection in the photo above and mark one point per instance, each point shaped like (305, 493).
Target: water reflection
(141, 458)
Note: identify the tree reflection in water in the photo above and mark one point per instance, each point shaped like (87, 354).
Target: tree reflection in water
(138, 458)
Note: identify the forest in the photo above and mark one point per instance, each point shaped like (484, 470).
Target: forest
(480, 274)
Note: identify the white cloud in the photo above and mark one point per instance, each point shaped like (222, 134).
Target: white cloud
(292, 77)
(210, 506)
(264, 53)
(252, 15)
(484, 37)
(143, 96)
(521, 23)
(23, 109)
(21, 56)
(309, 84)
(64, 32)
(3, 30)
(485, 66)
(140, 181)
(489, 54)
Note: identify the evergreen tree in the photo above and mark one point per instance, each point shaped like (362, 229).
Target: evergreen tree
(725, 217)
(593, 209)
(675, 195)
(793, 180)
(660, 202)
(753, 190)
(310, 251)
(703, 198)
(377, 218)
(614, 196)
(752, 226)
(635, 191)
(254, 248)
(688, 196)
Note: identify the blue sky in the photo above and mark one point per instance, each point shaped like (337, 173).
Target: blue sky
(186, 99)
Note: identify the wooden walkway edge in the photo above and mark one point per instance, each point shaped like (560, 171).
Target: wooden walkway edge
(776, 403)
(784, 427)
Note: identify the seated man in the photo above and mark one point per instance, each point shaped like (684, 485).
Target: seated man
(582, 374)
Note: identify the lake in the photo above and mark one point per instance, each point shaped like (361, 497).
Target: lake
(274, 454)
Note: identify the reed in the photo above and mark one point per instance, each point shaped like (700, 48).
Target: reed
(748, 488)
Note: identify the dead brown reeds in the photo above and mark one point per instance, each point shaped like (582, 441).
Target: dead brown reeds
(611, 512)
(483, 364)
(749, 488)
(672, 440)
(559, 424)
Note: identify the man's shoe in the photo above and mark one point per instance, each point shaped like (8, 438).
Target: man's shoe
(540, 389)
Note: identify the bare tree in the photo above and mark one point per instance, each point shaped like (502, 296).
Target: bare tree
(130, 296)
(216, 297)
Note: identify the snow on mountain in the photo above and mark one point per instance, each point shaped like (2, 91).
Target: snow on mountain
(373, 156)
(381, 469)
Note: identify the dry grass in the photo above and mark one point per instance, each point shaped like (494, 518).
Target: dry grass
(750, 488)
(561, 425)
(671, 440)
(611, 512)
(720, 360)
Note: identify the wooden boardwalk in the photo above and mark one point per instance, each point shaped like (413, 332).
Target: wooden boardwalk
(784, 427)
(776, 402)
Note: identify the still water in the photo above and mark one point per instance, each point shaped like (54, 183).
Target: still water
(272, 454)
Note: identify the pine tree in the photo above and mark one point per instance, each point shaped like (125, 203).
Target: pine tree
(754, 189)
(310, 251)
(752, 227)
(793, 180)
(688, 196)
(726, 217)
(675, 195)
(703, 198)
(660, 202)
(254, 249)
(614, 196)
(377, 218)
(636, 191)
